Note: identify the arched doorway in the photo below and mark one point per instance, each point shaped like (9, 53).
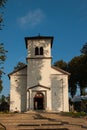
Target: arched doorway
(39, 101)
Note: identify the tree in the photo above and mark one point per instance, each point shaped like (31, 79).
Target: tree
(61, 64)
(4, 104)
(83, 68)
(2, 60)
(73, 70)
(19, 65)
(2, 4)
(84, 49)
(83, 73)
(2, 50)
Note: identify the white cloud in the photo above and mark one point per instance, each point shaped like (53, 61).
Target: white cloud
(32, 18)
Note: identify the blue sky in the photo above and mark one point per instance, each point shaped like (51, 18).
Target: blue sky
(66, 20)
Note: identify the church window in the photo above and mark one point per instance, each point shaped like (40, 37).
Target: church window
(36, 51)
(41, 50)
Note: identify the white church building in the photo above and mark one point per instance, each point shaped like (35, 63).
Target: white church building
(39, 85)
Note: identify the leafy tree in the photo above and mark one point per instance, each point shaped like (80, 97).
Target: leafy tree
(2, 4)
(73, 69)
(19, 65)
(2, 60)
(2, 50)
(61, 64)
(76, 68)
(2, 99)
(83, 73)
(4, 104)
(84, 49)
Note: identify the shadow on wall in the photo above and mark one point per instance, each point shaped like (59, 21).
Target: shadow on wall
(37, 64)
(18, 90)
(36, 73)
(42, 43)
(57, 93)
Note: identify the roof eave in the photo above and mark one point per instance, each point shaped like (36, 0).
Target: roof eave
(61, 70)
(39, 37)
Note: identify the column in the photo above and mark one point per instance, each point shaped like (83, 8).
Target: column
(28, 100)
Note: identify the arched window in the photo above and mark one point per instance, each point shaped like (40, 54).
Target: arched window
(36, 51)
(41, 50)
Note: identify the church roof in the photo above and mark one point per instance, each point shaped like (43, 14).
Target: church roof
(61, 70)
(56, 68)
(17, 70)
(39, 37)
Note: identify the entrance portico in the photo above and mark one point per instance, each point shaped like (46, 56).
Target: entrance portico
(37, 97)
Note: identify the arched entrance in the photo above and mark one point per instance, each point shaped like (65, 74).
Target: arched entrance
(39, 101)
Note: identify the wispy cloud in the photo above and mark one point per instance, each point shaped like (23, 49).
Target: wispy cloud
(32, 18)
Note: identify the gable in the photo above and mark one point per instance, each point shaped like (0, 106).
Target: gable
(20, 71)
(38, 85)
(57, 70)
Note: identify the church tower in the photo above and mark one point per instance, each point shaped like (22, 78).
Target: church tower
(38, 65)
(39, 85)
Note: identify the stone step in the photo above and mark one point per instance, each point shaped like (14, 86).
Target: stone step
(49, 126)
(43, 128)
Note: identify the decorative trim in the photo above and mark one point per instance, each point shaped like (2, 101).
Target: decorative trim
(39, 38)
(61, 70)
(38, 85)
(39, 58)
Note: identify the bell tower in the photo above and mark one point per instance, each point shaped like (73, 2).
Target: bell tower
(38, 59)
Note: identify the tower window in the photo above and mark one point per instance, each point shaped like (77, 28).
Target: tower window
(36, 51)
(41, 50)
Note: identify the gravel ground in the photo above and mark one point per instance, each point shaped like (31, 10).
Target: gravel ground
(37, 120)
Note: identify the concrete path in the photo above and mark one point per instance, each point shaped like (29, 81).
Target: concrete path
(37, 120)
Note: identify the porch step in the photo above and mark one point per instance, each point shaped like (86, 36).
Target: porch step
(45, 126)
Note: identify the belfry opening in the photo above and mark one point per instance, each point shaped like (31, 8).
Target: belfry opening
(39, 101)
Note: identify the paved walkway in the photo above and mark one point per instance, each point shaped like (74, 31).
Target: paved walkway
(36, 120)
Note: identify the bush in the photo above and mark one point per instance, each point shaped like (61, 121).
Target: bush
(74, 114)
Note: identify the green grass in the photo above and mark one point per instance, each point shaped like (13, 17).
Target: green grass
(74, 114)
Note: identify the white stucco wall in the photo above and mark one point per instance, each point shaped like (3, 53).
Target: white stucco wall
(18, 87)
(59, 92)
(46, 44)
(39, 73)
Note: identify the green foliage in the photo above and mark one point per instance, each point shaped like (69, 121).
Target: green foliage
(4, 103)
(2, 50)
(1, 86)
(74, 114)
(73, 68)
(84, 49)
(61, 64)
(19, 65)
(2, 53)
(77, 67)
(2, 60)
(2, 4)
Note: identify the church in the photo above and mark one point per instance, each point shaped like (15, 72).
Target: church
(38, 85)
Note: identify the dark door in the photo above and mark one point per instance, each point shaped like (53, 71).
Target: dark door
(39, 101)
